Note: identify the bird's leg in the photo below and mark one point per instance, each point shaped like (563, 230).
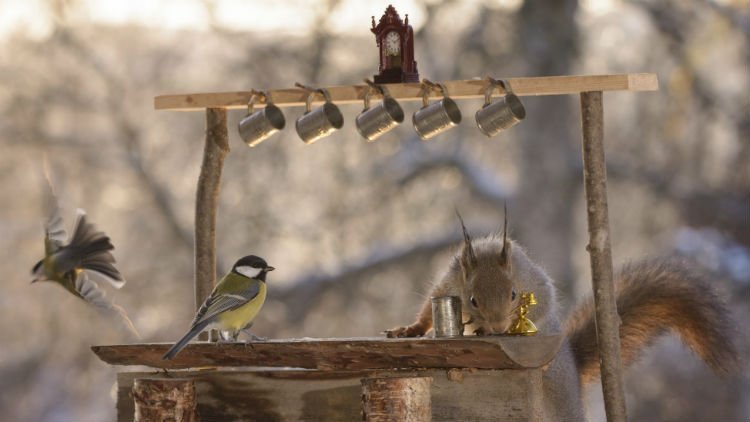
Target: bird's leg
(227, 336)
(252, 336)
(214, 336)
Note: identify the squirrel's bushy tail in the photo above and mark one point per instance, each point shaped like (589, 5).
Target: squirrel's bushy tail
(654, 297)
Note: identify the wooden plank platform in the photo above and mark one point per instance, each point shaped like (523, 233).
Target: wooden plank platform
(347, 354)
(469, 88)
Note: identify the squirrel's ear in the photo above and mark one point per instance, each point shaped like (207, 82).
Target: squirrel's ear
(468, 257)
(505, 253)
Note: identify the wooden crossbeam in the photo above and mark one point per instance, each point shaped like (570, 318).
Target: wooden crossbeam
(460, 89)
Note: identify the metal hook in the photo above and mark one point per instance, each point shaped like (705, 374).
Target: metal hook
(438, 86)
(425, 94)
(494, 83)
(370, 87)
(381, 88)
(428, 85)
(254, 95)
(267, 97)
(312, 91)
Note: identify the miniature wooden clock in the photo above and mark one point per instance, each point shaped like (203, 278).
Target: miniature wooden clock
(395, 38)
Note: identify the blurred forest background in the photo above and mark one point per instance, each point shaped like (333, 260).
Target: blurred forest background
(356, 230)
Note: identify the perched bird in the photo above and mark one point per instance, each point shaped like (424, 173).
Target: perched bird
(69, 264)
(233, 304)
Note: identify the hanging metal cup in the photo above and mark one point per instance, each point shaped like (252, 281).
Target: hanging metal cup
(259, 125)
(374, 122)
(435, 118)
(322, 121)
(494, 117)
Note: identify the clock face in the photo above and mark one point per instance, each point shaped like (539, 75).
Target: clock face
(392, 44)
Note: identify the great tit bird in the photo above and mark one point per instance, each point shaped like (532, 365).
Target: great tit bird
(233, 304)
(68, 264)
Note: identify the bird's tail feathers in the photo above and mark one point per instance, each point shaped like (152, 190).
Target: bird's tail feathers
(654, 297)
(92, 294)
(194, 330)
(94, 248)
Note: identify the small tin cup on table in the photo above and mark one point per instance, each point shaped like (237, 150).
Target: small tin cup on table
(446, 316)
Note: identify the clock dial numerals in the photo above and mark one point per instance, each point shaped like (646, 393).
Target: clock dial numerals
(392, 44)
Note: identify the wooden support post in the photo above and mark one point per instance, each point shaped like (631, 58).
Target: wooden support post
(165, 400)
(207, 197)
(607, 318)
(396, 399)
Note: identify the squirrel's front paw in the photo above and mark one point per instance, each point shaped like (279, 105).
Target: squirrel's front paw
(414, 330)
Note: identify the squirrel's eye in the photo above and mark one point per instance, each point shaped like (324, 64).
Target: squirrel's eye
(473, 302)
(513, 294)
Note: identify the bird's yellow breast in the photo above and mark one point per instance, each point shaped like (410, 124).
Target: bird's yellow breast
(238, 319)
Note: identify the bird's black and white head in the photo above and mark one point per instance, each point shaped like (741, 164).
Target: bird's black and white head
(253, 267)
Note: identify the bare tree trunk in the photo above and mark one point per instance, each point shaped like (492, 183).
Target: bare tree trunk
(545, 223)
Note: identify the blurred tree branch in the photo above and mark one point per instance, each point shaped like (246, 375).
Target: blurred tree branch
(674, 23)
(129, 135)
(305, 293)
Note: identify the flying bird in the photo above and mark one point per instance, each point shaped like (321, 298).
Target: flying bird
(69, 264)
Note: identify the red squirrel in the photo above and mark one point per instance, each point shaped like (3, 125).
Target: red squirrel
(653, 297)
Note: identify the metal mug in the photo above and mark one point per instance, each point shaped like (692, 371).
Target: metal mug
(433, 119)
(494, 117)
(374, 122)
(260, 125)
(446, 316)
(321, 122)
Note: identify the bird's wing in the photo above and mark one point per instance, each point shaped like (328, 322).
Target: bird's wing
(55, 235)
(54, 231)
(217, 303)
(91, 293)
(89, 249)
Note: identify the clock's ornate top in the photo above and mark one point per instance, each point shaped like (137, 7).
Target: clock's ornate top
(395, 39)
(389, 18)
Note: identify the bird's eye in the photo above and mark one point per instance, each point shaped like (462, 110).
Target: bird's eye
(473, 302)
(513, 294)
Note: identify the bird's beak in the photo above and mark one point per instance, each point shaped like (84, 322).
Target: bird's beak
(34, 280)
(270, 269)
